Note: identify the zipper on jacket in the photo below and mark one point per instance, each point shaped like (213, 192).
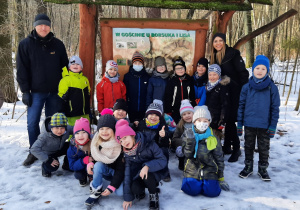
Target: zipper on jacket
(139, 94)
(70, 104)
(181, 89)
(188, 89)
(112, 90)
(216, 166)
(186, 164)
(174, 95)
(83, 101)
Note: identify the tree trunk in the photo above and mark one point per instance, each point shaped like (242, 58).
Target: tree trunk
(190, 14)
(291, 83)
(7, 83)
(41, 7)
(250, 44)
(222, 20)
(153, 13)
(298, 101)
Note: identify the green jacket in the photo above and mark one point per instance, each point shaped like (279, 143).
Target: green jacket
(74, 89)
(208, 164)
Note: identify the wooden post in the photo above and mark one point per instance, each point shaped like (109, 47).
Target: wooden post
(87, 42)
(106, 45)
(200, 45)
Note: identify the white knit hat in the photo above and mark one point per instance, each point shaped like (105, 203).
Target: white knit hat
(111, 64)
(201, 111)
(185, 106)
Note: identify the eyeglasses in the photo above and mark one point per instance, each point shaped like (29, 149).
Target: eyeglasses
(180, 68)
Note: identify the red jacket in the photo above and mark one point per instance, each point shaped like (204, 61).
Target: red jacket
(108, 93)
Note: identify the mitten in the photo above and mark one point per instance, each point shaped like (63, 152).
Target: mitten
(179, 152)
(189, 133)
(223, 185)
(27, 99)
(239, 129)
(86, 160)
(271, 131)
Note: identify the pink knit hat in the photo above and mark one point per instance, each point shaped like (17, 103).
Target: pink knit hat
(82, 125)
(123, 129)
(107, 111)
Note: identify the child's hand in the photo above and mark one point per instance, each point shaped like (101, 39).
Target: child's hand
(162, 132)
(89, 168)
(54, 163)
(127, 204)
(106, 192)
(136, 123)
(144, 172)
(91, 159)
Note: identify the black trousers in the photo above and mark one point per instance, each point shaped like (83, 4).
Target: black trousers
(138, 186)
(263, 143)
(231, 137)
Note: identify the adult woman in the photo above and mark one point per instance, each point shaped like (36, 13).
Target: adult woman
(233, 66)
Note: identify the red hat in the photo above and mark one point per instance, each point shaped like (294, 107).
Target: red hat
(123, 129)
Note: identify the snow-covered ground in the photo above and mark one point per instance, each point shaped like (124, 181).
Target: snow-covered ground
(25, 188)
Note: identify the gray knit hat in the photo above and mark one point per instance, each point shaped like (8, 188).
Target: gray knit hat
(185, 106)
(155, 108)
(42, 19)
(75, 60)
(215, 68)
(160, 61)
(201, 111)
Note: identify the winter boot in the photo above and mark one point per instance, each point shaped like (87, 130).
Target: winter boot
(167, 178)
(181, 163)
(95, 194)
(45, 173)
(154, 202)
(83, 182)
(140, 196)
(262, 171)
(235, 156)
(248, 170)
(29, 160)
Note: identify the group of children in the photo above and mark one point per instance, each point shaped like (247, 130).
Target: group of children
(132, 153)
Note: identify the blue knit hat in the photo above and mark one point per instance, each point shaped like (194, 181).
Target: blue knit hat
(215, 68)
(261, 60)
(58, 120)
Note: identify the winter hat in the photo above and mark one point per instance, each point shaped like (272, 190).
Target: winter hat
(111, 64)
(185, 106)
(137, 57)
(204, 62)
(215, 68)
(58, 120)
(106, 120)
(120, 104)
(42, 19)
(178, 61)
(82, 124)
(160, 61)
(201, 111)
(155, 108)
(261, 60)
(75, 60)
(123, 129)
(106, 111)
(221, 35)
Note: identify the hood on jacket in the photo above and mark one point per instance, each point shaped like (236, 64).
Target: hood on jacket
(46, 125)
(225, 80)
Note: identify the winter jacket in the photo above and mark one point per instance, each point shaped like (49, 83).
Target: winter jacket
(233, 66)
(48, 143)
(148, 153)
(176, 91)
(218, 102)
(74, 89)
(75, 156)
(179, 133)
(108, 93)
(40, 62)
(200, 92)
(156, 89)
(208, 164)
(136, 89)
(259, 108)
(161, 142)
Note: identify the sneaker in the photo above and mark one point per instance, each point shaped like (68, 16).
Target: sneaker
(235, 156)
(82, 183)
(29, 160)
(45, 173)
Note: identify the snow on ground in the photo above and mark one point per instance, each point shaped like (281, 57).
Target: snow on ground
(25, 188)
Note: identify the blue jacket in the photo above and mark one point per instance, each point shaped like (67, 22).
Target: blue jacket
(200, 91)
(136, 89)
(75, 157)
(148, 153)
(259, 109)
(156, 89)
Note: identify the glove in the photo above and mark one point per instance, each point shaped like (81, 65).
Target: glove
(223, 185)
(86, 160)
(27, 99)
(239, 129)
(179, 152)
(271, 131)
(189, 133)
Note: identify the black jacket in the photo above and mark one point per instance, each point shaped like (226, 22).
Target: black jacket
(40, 62)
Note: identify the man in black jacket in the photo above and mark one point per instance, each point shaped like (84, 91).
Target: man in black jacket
(40, 60)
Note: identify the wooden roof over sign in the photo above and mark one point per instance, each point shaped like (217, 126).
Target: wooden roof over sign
(221, 5)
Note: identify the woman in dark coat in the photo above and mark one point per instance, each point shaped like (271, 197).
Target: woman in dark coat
(233, 66)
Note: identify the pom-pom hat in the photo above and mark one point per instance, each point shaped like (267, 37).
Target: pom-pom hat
(123, 129)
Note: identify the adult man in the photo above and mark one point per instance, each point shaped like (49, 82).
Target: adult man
(40, 60)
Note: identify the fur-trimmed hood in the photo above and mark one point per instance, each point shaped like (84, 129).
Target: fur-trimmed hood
(225, 80)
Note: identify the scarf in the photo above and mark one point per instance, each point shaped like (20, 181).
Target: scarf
(132, 151)
(200, 80)
(211, 86)
(112, 79)
(261, 84)
(211, 141)
(150, 125)
(163, 75)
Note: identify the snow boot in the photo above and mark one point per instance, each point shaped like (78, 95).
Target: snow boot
(235, 156)
(45, 173)
(95, 194)
(83, 182)
(29, 160)
(181, 163)
(154, 201)
(248, 170)
(262, 171)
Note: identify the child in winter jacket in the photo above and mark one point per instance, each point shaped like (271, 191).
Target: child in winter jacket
(110, 88)
(136, 82)
(109, 161)
(74, 89)
(217, 98)
(179, 87)
(258, 112)
(158, 82)
(200, 81)
(155, 124)
(79, 152)
(145, 165)
(203, 171)
(186, 113)
(51, 143)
